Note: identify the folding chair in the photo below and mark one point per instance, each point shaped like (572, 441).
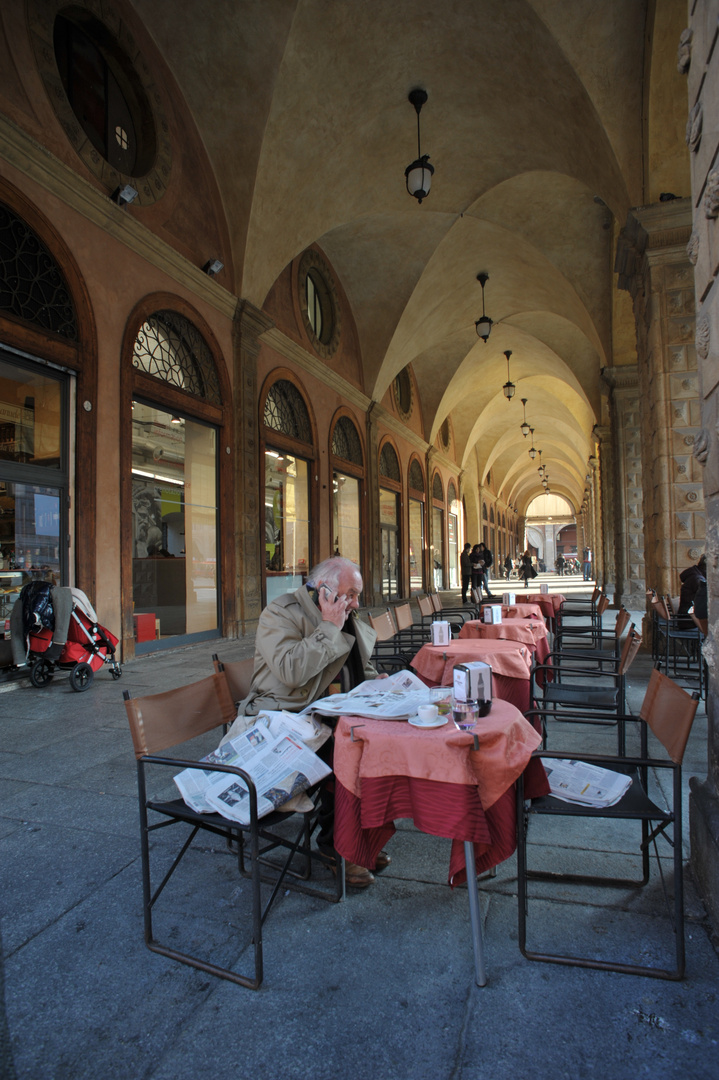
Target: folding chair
(455, 616)
(410, 636)
(592, 697)
(591, 629)
(681, 656)
(668, 711)
(387, 656)
(599, 656)
(160, 723)
(238, 674)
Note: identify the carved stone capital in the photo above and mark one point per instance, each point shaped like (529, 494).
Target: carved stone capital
(703, 338)
(711, 194)
(684, 51)
(693, 247)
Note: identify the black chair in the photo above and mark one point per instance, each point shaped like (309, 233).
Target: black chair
(590, 629)
(606, 652)
(160, 723)
(668, 711)
(387, 655)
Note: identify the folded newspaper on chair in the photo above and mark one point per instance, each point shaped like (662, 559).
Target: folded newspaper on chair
(272, 752)
(584, 784)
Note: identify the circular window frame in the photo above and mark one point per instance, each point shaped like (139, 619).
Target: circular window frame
(445, 435)
(404, 414)
(150, 185)
(312, 263)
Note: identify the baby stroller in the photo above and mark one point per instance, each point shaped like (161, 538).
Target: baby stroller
(88, 646)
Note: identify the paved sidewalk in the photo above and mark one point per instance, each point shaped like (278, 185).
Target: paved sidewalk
(378, 987)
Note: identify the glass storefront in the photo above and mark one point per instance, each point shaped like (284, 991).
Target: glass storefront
(34, 479)
(416, 546)
(389, 543)
(346, 516)
(174, 526)
(287, 522)
(453, 537)
(438, 552)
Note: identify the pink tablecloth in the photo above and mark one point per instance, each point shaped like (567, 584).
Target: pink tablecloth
(522, 611)
(438, 779)
(531, 632)
(510, 662)
(549, 602)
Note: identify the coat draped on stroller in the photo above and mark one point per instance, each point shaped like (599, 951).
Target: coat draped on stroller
(58, 628)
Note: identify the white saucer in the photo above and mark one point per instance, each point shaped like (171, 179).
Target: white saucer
(438, 722)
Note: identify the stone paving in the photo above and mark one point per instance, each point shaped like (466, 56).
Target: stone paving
(380, 986)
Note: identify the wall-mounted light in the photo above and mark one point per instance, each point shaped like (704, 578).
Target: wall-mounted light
(212, 267)
(524, 426)
(124, 195)
(418, 175)
(532, 452)
(175, 420)
(483, 325)
(509, 388)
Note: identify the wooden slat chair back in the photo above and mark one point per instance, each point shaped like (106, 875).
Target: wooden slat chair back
(160, 723)
(238, 674)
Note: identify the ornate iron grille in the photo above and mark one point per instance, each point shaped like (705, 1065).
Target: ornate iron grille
(437, 492)
(451, 493)
(171, 349)
(285, 411)
(346, 442)
(416, 480)
(388, 463)
(32, 286)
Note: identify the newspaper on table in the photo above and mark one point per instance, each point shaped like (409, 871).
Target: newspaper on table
(587, 785)
(395, 698)
(273, 754)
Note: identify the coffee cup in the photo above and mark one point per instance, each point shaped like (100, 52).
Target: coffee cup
(427, 713)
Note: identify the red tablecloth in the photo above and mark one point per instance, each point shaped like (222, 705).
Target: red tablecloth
(391, 770)
(510, 662)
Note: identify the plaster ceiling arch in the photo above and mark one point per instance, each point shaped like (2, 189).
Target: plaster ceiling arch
(552, 504)
(340, 92)
(567, 442)
(556, 398)
(507, 464)
(449, 296)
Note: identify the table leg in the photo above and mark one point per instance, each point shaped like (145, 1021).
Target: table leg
(480, 976)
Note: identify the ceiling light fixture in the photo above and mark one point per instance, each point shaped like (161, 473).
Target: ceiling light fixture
(524, 426)
(483, 325)
(418, 175)
(509, 388)
(532, 452)
(124, 195)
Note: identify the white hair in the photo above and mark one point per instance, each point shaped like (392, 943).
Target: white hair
(330, 571)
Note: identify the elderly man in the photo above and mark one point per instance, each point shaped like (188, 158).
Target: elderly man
(310, 642)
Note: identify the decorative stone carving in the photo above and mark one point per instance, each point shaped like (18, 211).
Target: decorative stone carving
(684, 52)
(695, 552)
(703, 334)
(692, 496)
(711, 194)
(693, 248)
(701, 447)
(694, 126)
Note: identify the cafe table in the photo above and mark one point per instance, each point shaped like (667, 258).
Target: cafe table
(550, 603)
(530, 632)
(455, 784)
(522, 611)
(511, 662)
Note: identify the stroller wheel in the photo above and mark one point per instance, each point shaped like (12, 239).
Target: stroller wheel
(81, 677)
(41, 673)
(116, 671)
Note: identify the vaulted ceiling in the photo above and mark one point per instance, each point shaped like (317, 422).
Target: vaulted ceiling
(546, 121)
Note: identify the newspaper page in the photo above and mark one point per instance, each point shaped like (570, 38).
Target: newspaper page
(279, 764)
(396, 698)
(584, 784)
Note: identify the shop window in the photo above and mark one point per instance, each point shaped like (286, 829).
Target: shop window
(416, 545)
(347, 479)
(32, 286)
(415, 477)
(346, 442)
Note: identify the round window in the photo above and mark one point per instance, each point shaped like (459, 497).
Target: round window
(318, 303)
(403, 392)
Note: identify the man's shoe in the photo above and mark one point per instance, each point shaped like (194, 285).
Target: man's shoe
(358, 877)
(383, 861)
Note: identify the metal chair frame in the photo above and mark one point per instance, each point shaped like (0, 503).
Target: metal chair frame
(671, 721)
(161, 722)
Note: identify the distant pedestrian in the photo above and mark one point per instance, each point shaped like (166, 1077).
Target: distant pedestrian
(508, 566)
(465, 569)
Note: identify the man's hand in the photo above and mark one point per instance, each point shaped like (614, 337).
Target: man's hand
(333, 608)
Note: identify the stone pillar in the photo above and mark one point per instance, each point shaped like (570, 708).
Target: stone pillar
(373, 561)
(699, 57)
(608, 518)
(654, 266)
(249, 323)
(626, 479)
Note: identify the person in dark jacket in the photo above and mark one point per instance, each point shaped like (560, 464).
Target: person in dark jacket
(465, 569)
(476, 562)
(694, 581)
(488, 560)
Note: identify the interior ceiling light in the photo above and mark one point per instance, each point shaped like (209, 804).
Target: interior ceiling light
(483, 325)
(532, 452)
(524, 426)
(509, 388)
(418, 175)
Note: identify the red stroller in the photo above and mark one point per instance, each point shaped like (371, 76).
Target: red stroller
(89, 646)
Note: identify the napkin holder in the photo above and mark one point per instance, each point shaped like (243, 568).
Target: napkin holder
(544, 588)
(509, 598)
(472, 681)
(492, 613)
(441, 632)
